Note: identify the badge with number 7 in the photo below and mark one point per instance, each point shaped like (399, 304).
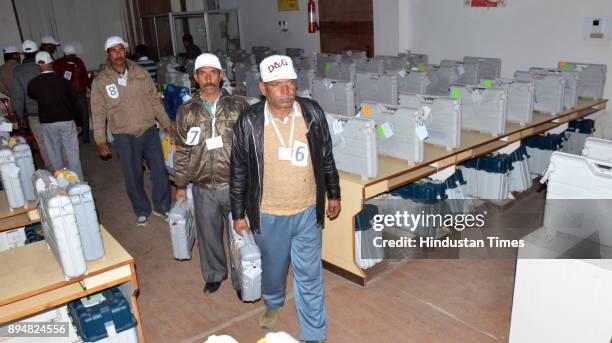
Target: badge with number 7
(299, 155)
(193, 136)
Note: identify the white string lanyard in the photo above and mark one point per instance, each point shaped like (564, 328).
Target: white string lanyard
(280, 138)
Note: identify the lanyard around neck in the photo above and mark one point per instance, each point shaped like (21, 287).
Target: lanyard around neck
(280, 138)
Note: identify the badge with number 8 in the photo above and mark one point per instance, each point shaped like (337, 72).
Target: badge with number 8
(299, 155)
(112, 91)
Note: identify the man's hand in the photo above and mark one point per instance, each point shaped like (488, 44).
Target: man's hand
(241, 225)
(333, 209)
(181, 194)
(170, 131)
(104, 151)
(79, 130)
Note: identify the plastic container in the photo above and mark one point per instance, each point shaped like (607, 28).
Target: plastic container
(25, 163)
(42, 180)
(87, 220)
(397, 130)
(442, 117)
(549, 90)
(246, 261)
(520, 98)
(482, 109)
(336, 97)
(182, 231)
(61, 232)
(367, 254)
(11, 183)
(376, 87)
(540, 148)
(591, 78)
(597, 149)
(488, 68)
(104, 317)
(354, 143)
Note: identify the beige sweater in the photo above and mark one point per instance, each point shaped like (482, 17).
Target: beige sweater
(130, 110)
(287, 189)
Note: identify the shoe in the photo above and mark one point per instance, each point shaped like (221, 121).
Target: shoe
(211, 287)
(268, 319)
(239, 294)
(142, 221)
(162, 215)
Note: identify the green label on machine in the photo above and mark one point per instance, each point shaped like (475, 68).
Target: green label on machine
(456, 94)
(488, 84)
(327, 67)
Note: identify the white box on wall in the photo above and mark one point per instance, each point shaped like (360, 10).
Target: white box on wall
(597, 28)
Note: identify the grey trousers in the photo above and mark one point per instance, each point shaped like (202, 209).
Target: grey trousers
(211, 208)
(61, 139)
(37, 132)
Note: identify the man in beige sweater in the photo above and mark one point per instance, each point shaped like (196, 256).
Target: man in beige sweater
(125, 95)
(281, 174)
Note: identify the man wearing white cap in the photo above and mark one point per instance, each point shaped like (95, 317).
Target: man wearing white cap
(26, 108)
(124, 94)
(11, 60)
(204, 128)
(72, 68)
(282, 171)
(49, 44)
(59, 115)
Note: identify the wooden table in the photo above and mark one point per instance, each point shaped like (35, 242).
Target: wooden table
(32, 281)
(338, 236)
(18, 217)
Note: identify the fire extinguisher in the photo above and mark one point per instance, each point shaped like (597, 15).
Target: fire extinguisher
(312, 17)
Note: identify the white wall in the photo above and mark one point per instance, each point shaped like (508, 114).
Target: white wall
(87, 23)
(386, 23)
(10, 32)
(259, 26)
(524, 33)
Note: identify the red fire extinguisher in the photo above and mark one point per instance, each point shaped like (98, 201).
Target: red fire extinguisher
(312, 17)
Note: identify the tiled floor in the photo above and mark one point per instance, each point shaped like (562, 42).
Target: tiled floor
(413, 301)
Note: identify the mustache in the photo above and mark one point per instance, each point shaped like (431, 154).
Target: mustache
(210, 85)
(286, 98)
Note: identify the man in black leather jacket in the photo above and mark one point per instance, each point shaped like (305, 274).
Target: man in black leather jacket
(281, 185)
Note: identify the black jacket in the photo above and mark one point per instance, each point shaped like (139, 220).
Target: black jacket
(246, 167)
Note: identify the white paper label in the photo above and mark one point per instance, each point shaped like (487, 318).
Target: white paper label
(284, 154)
(122, 81)
(421, 132)
(337, 126)
(299, 156)
(386, 129)
(460, 70)
(187, 97)
(328, 84)
(68, 75)
(112, 91)
(476, 97)
(193, 136)
(6, 127)
(214, 143)
(402, 72)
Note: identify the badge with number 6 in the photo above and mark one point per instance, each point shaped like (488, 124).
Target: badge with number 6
(193, 136)
(299, 155)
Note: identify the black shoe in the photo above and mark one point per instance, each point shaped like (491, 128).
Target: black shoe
(211, 287)
(239, 294)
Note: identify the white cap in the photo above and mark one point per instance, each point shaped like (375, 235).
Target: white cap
(69, 49)
(114, 40)
(29, 46)
(10, 49)
(207, 60)
(277, 67)
(49, 40)
(43, 57)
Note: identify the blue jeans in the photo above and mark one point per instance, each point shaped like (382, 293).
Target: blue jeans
(295, 238)
(132, 150)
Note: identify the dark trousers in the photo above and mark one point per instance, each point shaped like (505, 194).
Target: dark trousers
(84, 107)
(132, 150)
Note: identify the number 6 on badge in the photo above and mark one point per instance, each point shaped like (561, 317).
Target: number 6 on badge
(299, 157)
